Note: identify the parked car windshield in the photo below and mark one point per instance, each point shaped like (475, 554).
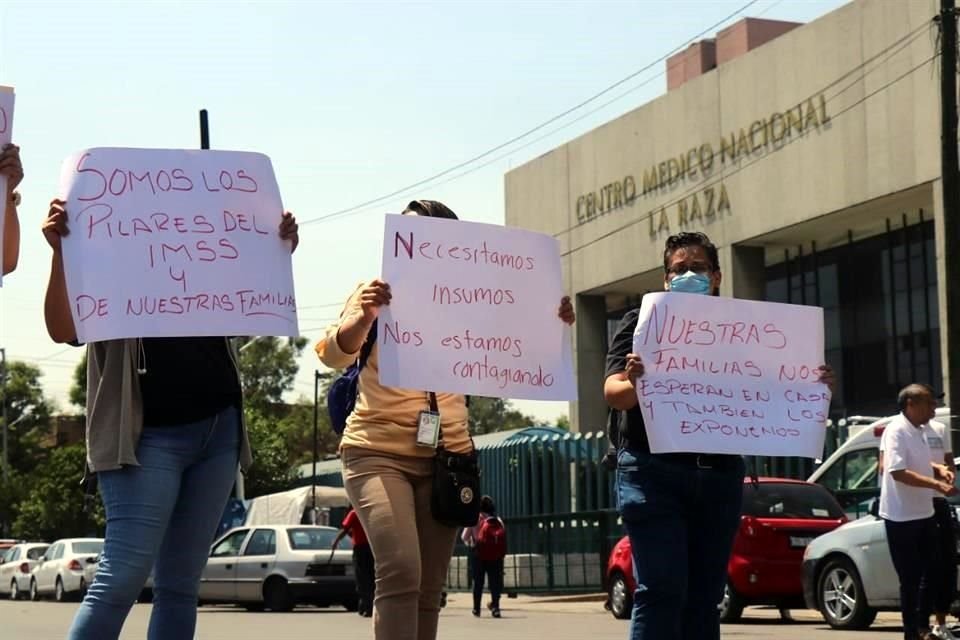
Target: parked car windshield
(789, 500)
(95, 546)
(301, 539)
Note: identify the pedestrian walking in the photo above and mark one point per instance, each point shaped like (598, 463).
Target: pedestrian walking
(363, 568)
(488, 542)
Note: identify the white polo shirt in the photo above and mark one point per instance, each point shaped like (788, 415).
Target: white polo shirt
(939, 441)
(905, 447)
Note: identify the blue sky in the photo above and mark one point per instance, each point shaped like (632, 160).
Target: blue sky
(351, 101)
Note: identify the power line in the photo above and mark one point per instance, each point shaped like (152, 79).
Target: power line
(528, 132)
(566, 125)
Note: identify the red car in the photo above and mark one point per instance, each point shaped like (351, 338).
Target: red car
(780, 517)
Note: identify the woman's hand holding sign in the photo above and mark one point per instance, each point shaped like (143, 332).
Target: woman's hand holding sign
(566, 312)
(362, 310)
(826, 376)
(620, 389)
(289, 230)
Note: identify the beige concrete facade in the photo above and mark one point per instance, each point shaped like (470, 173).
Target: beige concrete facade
(824, 131)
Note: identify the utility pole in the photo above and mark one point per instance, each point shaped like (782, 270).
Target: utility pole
(950, 181)
(3, 386)
(316, 441)
(238, 490)
(204, 130)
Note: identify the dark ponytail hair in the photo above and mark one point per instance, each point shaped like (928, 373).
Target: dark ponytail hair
(430, 209)
(487, 505)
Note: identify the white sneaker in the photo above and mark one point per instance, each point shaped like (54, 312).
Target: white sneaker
(943, 632)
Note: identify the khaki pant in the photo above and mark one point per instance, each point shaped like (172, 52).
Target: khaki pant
(411, 550)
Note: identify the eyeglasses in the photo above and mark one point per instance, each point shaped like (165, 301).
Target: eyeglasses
(681, 268)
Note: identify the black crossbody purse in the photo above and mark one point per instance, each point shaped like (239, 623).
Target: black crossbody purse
(455, 496)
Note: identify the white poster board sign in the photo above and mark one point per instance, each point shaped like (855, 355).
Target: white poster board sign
(167, 242)
(731, 376)
(474, 311)
(6, 136)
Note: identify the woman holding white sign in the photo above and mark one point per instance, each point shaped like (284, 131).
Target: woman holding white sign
(680, 510)
(12, 169)
(164, 436)
(387, 452)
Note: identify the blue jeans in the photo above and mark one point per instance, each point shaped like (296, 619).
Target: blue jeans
(681, 520)
(162, 515)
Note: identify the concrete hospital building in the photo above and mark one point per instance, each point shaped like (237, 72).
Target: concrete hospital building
(808, 153)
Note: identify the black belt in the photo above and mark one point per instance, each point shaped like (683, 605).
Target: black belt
(717, 461)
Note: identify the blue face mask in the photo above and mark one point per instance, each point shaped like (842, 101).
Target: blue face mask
(691, 282)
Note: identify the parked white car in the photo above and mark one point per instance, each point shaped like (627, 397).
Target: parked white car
(15, 567)
(278, 566)
(60, 572)
(848, 574)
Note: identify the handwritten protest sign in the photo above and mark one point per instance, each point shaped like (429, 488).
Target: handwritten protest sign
(175, 243)
(731, 376)
(6, 136)
(474, 311)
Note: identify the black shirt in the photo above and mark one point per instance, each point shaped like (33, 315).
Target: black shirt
(633, 433)
(186, 380)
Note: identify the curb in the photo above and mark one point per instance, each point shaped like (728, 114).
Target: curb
(580, 597)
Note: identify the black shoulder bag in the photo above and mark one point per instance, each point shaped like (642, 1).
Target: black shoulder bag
(455, 497)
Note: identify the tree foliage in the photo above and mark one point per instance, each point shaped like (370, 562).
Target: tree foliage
(27, 412)
(488, 415)
(268, 367)
(53, 506)
(78, 390)
(271, 470)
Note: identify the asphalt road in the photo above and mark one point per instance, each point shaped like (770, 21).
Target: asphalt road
(523, 619)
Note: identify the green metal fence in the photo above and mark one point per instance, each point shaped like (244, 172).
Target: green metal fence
(548, 474)
(550, 553)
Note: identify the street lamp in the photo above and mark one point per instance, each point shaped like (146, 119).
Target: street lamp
(26, 414)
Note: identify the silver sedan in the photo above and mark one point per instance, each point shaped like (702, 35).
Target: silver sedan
(279, 566)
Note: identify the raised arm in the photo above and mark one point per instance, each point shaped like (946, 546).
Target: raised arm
(56, 305)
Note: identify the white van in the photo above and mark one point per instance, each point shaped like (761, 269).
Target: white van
(851, 472)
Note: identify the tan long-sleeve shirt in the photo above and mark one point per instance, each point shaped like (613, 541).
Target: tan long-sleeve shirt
(385, 419)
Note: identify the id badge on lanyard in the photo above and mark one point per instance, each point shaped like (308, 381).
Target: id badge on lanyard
(428, 429)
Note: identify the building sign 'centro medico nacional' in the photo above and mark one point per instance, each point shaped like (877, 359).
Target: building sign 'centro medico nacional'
(706, 204)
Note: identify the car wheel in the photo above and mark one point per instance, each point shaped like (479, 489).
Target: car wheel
(34, 591)
(58, 593)
(352, 605)
(843, 603)
(83, 588)
(621, 601)
(14, 590)
(276, 595)
(731, 606)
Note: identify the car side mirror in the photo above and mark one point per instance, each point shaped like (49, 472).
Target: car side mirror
(43, 558)
(875, 508)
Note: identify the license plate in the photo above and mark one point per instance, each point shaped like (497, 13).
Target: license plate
(800, 541)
